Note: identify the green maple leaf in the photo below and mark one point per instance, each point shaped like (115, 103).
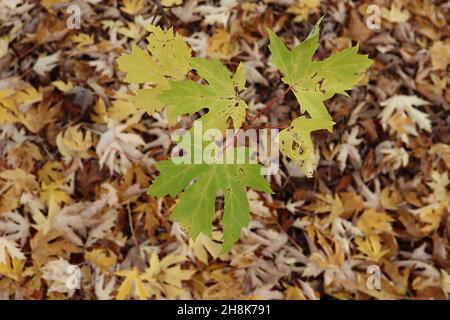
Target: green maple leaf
(296, 143)
(313, 82)
(195, 210)
(168, 60)
(220, 96)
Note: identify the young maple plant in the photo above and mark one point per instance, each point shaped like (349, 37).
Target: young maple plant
(161, 73)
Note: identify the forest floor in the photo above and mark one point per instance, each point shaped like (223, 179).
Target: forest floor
(76, 156)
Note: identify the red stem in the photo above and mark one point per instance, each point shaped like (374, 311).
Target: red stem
(269, 105)
(271, 127)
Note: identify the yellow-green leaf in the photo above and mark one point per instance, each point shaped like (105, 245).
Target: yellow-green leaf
(313, 82)
(167, 58)
(295, 142)
(220, 96)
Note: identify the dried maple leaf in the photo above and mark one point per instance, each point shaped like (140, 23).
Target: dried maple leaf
(101, 259)
(104, 291)
(440, 55)
(326, 203)
(132, 285)
(37, 117)
(402, 107)
(74, 143)
(202, 246)
(132, 7)
(349, 149)
(303, 8)
(116, 147)
(46, 246)
(443, 151)
(9, 248)
(12, 184)
(13, 268)
(24, 156)
(45, 64)
(395, 13)
(374, 222)
(371, 247)
(58, 273)
(16, 227)
(20, 94)
(165, 276)
(76, 219)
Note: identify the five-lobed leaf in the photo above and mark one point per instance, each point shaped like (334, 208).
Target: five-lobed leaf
(313, 82)
(169, 59)
(133, 283)
(220, 95)
(195, 210)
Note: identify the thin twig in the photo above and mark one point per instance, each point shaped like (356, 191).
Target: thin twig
(27, 52)
(248, 125)
(163, 14)
(269, 126)
(269, 105)
(130, 221)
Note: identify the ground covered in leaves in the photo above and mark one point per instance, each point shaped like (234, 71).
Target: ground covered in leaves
(76, 157)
